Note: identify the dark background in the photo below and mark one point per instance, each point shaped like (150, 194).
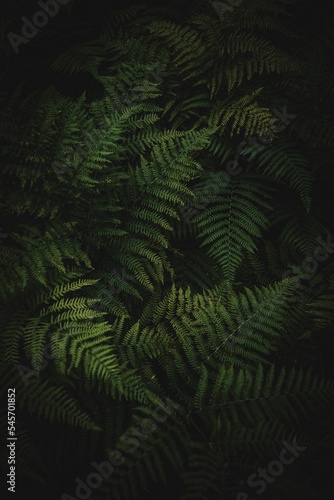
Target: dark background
(83, 20)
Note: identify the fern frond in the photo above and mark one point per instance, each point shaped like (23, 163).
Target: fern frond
(229, 227)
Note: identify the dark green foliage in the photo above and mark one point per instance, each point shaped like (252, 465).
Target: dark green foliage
(159, 231)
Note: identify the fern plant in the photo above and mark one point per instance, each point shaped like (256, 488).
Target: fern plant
(113, 301)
